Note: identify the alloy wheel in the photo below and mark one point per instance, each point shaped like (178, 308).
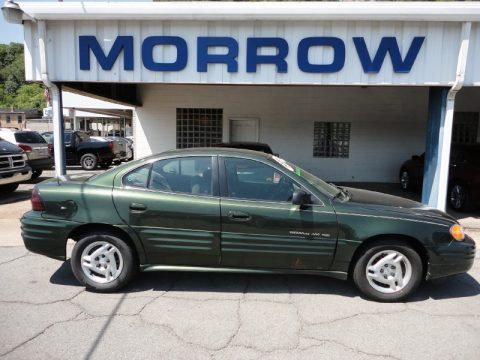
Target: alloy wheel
(102, 262)
(89, 162)
(404, 180)
(458, 196)
(388, 271)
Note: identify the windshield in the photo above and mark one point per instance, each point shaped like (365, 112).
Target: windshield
(310, 178)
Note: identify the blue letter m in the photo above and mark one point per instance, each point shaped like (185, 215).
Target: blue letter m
(388, 45)
(88, 43)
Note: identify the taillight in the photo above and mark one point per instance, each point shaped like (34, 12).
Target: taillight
(37, 204)
(110, 146)
(50, 148)
(25, 148)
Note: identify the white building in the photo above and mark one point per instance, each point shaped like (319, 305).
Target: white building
(347, 90)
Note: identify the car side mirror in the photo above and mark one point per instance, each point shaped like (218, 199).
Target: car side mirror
(301, 198)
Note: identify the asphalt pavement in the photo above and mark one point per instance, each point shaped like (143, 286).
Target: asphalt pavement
(45, 314)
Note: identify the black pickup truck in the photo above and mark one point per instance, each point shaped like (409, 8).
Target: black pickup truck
(14, 167)
(80, 150)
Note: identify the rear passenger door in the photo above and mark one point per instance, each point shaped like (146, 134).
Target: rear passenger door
(173, 206)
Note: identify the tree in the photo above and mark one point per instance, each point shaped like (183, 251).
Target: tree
(14, 91)
(29, 96)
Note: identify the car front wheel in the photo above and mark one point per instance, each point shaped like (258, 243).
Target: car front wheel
(388, 271)
(103, 263)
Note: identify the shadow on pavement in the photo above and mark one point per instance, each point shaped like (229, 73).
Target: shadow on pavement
(458, 286)
(17, 196)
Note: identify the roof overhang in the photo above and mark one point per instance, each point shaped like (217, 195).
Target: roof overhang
(232, 11)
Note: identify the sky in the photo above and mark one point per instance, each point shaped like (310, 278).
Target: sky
(14, 33)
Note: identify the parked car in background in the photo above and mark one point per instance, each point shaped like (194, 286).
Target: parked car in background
(247, 145)
(14, 167)
(81, 150)
(212, 209)
(37, 149)
(119, 147)
(126, 144)
(463, 179)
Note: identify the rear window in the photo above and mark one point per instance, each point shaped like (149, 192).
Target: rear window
(29, 137)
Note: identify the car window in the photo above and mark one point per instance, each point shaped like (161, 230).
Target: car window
(138, 177)
(29, 137)
(83, 137)
(48, 137)
(189, 175)
(249, 179)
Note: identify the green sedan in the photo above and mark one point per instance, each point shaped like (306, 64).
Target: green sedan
(217, 209)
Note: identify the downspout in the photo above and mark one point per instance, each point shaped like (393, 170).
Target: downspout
(57, 111)
(449, 112)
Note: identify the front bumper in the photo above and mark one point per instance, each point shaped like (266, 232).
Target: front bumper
(453, 258)
(15, 176)
(45, 236)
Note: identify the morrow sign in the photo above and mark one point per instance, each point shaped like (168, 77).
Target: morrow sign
(371, 60)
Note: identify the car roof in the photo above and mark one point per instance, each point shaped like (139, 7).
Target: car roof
(243, 143)
(213, 151)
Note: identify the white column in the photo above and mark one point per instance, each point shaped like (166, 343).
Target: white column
(58, 132)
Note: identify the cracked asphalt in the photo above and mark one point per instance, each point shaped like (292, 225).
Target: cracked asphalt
(45, 314)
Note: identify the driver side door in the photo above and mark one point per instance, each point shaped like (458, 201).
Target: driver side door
(261, 228)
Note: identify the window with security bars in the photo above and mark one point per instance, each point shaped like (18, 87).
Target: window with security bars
(465, 128)
(331, 139)
(198, 127)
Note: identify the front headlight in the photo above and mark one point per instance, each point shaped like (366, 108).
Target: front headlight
(457, 232)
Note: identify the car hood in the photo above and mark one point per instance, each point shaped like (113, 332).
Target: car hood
(394, 204)
(9, 148)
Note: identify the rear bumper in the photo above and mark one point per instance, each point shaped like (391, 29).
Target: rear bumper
(15, 176)
(45, 236)
(41, 164)
(453, 258)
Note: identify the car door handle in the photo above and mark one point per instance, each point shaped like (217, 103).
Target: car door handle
(239, 216)
(138, 207)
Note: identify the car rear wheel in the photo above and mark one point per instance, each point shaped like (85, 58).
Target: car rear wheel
(388, 271)
(103, 263)
(405, 179)
(459, 198)
(7, 189)
(88, 162)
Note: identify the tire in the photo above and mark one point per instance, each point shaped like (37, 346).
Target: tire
(7, 189)
(36, 174)
(89, 162)
(459, 197)
(110, 250)
(405, 180)
(386, 255)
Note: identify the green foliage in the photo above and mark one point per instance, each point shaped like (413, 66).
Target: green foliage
(29, 96)
(13, 89)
